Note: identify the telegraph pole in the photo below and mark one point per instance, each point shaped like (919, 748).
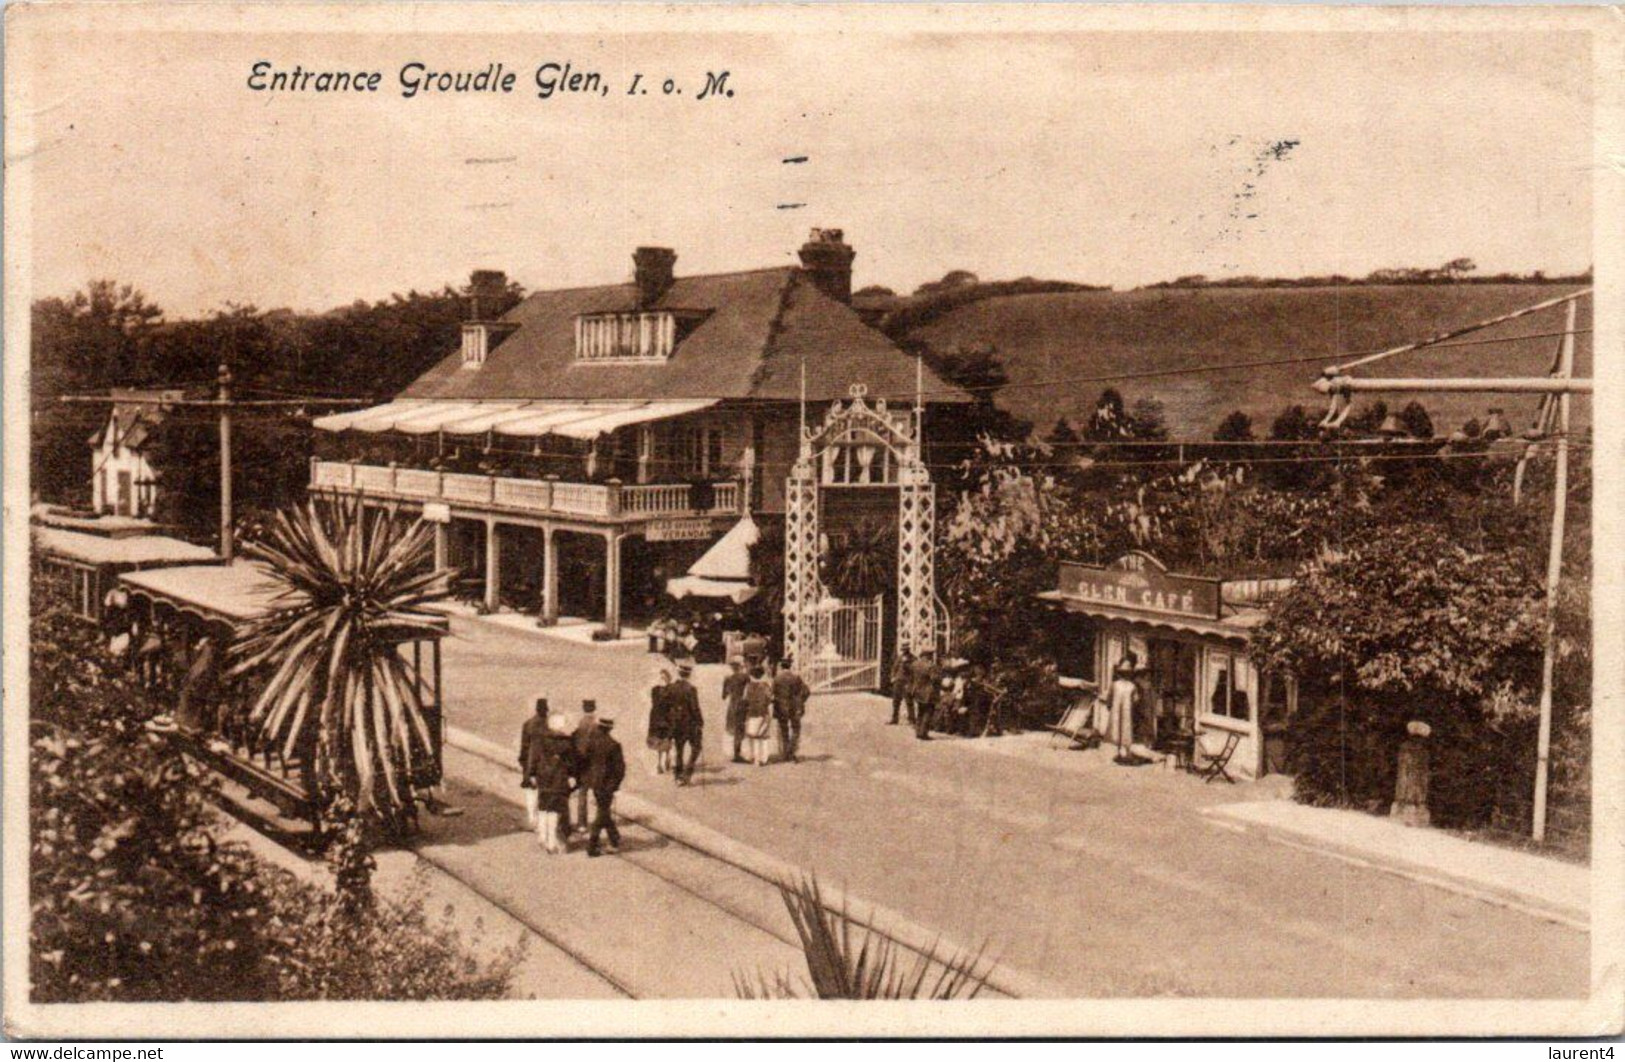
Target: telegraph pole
(1554, 573)
(223, 399)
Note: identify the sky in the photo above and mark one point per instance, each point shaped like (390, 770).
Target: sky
(1104, 157)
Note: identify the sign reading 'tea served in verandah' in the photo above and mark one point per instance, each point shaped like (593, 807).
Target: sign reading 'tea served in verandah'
(1139, 581)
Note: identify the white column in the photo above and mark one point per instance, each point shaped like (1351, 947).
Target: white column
(442, 546)
(550, 577)
(612, 584)
(493, 565)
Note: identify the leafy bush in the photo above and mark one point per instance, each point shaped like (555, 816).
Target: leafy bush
(1409, 625)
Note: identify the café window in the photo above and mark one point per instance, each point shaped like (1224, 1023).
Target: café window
(1229, 686)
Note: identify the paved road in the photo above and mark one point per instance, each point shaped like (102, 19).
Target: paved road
(1104, 880)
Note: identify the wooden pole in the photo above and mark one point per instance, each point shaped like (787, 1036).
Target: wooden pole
(1554, 575)
(227, 543)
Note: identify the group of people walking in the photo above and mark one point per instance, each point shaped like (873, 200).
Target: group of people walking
(563, 767)
(756, 697)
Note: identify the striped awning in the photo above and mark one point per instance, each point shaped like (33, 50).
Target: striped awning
(581, 419)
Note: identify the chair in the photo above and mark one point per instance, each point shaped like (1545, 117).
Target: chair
(1076, 722)
(1216, 764)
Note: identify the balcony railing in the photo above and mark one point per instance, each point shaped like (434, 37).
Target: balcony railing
(540, 496)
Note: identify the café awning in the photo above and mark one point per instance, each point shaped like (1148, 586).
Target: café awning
(723, 570)
(576, 419)
(373, 418)
(588, 420)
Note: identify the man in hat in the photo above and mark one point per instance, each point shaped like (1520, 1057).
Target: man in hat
(790, 693)
(529, 735)
(902, 685)
(733, 695)
(927, 691)
(586, 727)
(602, 771)
(687, 724)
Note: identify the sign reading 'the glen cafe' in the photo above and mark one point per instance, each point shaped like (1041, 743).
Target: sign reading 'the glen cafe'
(1139, 582)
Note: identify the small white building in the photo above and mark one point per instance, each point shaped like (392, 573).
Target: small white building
(122, 479)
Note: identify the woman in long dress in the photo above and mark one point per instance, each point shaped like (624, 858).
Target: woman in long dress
(1120, 700)
(758, 716)
(660, 722)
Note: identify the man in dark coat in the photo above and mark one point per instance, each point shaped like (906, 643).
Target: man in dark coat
(733, 695)
(552, 766)
(790, 695)
(603, 768)
(687, 724)
(927, 686)
(529, 735)
(902, 685)
(586, 726)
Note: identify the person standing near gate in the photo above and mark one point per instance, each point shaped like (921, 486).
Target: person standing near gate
(603, 770)
(529, 735)
(687, 724)
(902, 685)
(927, 689)
(790, 695)
(733, 695)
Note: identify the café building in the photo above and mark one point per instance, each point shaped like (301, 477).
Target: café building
(1189, 636)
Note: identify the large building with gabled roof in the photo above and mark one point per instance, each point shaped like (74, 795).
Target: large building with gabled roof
(613, 432)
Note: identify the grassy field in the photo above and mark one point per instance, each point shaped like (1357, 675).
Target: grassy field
(1075, 337)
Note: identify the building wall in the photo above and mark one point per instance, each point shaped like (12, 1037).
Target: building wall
(108, 461)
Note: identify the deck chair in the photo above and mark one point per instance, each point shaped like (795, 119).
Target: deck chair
(1076, 722)
(1216, 764)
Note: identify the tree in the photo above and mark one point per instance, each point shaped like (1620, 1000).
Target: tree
(861, 560)
(1109, 421)
(1415, 420)
(338, 689)
(1407, 624)
(1237, 427)
(1063, 436)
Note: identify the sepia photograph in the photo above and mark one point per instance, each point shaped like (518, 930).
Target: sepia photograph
(883, 521)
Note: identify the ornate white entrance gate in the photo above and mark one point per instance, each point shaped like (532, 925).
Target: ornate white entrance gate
(838, 644)
(847, 652)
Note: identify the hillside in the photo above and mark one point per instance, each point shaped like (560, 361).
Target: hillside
(1076, 335)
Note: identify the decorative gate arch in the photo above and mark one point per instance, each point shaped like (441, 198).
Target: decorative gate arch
(858, 444)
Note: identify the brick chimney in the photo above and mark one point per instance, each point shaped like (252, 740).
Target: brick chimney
(828, 261)
(486, 288)
(652, 270)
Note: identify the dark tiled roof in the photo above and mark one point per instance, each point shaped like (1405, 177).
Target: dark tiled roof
(757, 328)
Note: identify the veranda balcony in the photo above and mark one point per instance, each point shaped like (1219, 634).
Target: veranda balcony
(549, 496)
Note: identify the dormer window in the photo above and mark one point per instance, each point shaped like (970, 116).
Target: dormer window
(643, 336)
(476, 344)
(480, 338)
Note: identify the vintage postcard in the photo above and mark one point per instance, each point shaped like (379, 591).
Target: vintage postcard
(533, 520)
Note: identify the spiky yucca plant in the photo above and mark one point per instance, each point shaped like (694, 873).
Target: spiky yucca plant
(845, 965)
(353, 587)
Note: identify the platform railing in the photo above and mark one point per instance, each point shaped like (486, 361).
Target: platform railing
(550, 495)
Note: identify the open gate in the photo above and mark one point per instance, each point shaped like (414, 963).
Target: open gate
(847, 653)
